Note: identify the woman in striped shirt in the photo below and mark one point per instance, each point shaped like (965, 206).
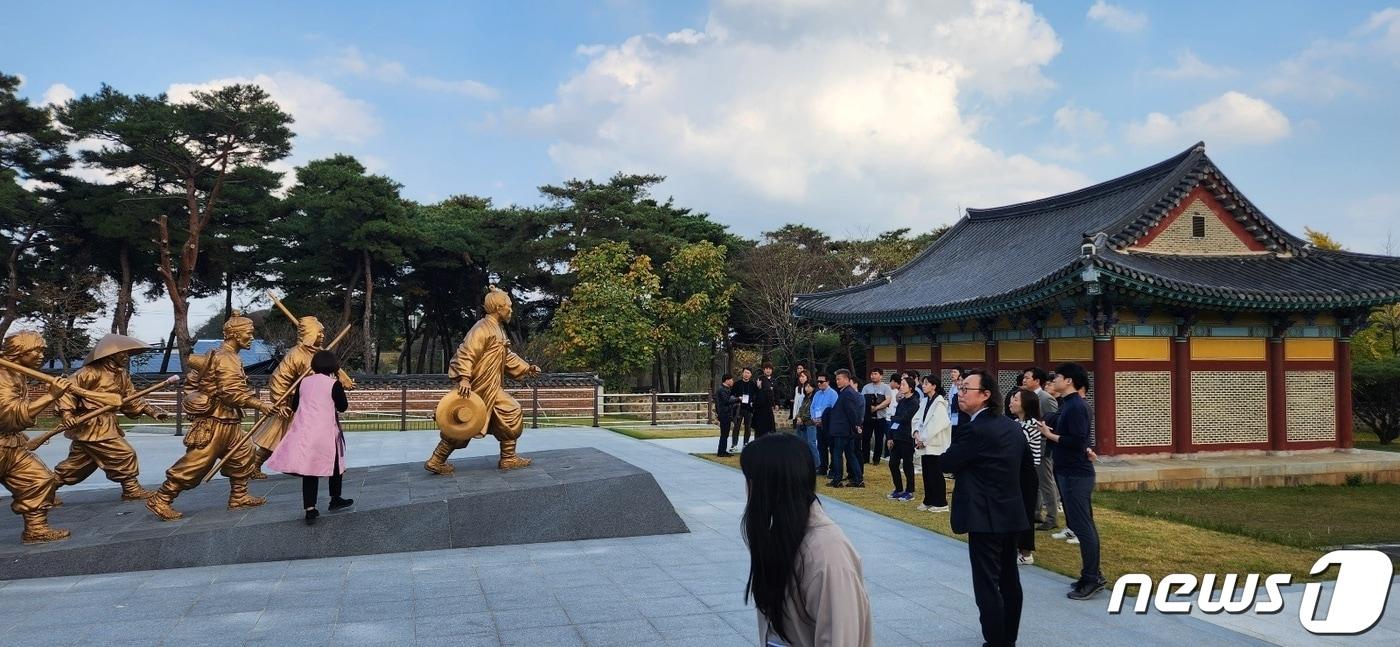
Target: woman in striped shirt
(1025, 407)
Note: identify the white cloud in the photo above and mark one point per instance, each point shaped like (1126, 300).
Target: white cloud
(1324, 70)
(321, 110)
(353, 61)
(22, 80)
(57, 94)
(1117, 18)
(823, 110)
(1231, 119)
(1080, 122)
(1191, 67)
(1384, 27)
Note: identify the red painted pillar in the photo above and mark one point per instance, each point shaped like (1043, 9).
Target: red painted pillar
(1277, 397)
(1041, 354)
(1344, 430)
(1181, 395)
(899, 357)
(936, 354)
(1104, 414)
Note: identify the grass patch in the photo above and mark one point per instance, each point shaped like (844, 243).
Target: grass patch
(1367, 439)
(657, 433)
(1131, 543)
(1310, 516)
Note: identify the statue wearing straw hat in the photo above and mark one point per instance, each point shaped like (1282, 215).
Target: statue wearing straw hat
(217, 428)
(29, 481)
(311, 337)
(99, 442)
(479, 403)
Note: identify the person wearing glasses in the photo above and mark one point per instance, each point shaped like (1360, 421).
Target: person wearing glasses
(822, 400)
(991, 459)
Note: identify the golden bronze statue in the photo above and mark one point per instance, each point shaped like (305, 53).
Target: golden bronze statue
(216, 408)
(311, 337)
(99, 441)
(479, 403)
(29, 481)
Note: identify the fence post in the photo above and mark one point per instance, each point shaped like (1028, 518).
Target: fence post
(535, 406)
(653, 407)
(709, 411)
(179, 410)
(403, 408)
(597, 401)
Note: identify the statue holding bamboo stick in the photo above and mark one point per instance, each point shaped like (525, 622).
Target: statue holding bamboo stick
(98, 442)
(29, 481)
(478, 403)
(216, 431)
(311, 337)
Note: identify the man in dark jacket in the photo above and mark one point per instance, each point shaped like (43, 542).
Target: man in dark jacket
(991, 460)
(1074, 474)
(725, 403)
(744, 391)
(843, 423)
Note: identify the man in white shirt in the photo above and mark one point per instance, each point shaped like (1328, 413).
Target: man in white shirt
(879, 409)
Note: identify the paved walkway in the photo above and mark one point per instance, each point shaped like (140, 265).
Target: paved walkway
(677, 589)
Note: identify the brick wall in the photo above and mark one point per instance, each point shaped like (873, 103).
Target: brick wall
(1143, 411)
(1312, 405)
(1228, 407)
(1177, 238)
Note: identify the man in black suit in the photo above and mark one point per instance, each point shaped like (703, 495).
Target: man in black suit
(842, 421)
(990, 459)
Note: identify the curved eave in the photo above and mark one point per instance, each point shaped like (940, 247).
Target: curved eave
(1196, 295)
(1057, 284)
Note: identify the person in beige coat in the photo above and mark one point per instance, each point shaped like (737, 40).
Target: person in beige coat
(805, 579)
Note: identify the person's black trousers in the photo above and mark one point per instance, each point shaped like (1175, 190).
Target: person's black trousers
(746, 421)
(935, 488)
(996, 585)
(902, 457)
(872, 439)
(724, 425)
(1076, 491)
(823, 449)
(843, 453)
(310, 484)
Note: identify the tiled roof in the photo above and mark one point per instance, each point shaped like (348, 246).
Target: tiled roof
(254, 358)
(1009, 258)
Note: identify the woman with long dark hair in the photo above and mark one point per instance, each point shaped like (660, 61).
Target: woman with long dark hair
(804, 577)
(1025, 407)
(900, 440)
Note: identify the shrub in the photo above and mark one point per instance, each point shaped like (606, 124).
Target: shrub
(1375, 388)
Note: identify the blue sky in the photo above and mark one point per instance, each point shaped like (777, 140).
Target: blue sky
(852, 117)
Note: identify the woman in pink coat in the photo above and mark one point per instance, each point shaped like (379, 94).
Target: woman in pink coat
(314, 445)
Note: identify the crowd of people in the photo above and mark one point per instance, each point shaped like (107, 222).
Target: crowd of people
(1016, 461)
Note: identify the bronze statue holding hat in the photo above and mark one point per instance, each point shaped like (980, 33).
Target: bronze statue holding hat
(99, 442)
(479, 404)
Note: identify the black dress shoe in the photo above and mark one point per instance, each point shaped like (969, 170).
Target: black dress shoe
(338, 503)
(858, 484)
(834, 484)
(311, 516)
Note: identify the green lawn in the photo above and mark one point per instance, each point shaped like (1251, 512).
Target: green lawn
(1367, 439)
(1311, 516)
(655, 433)
(1157, 545)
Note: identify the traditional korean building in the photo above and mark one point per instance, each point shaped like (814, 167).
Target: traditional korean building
(1204, 325)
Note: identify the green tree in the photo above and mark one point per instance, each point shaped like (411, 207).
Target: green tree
(186, 153)
(608, 323)
(445, 281)
(344, 229)
(31, 159)
(693, 307)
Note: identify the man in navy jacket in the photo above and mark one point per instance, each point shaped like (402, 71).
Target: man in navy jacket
(991, 460)
(842, 421)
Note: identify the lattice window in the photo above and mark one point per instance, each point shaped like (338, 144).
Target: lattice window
(1229, 407)
(1312, 405)
(1143, 408)
(1006, 380)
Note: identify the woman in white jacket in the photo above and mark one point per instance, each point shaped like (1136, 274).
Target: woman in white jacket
(933, 432)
